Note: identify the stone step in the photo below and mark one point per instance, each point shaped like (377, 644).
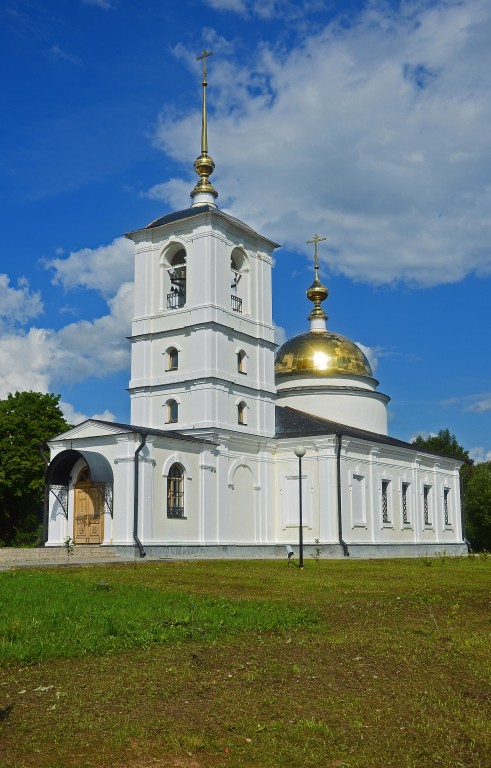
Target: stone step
(12, 556)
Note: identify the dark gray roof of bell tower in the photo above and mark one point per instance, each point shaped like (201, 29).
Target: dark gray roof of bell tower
(199, 210)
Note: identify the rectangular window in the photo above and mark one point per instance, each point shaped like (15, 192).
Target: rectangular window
(426, 504)
(446, 507)
(405, 503)
(385, 501)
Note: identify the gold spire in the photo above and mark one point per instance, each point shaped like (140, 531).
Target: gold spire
(317, 292)
(204, 165)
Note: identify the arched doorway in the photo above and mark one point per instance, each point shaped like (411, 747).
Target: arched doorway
(88, 509)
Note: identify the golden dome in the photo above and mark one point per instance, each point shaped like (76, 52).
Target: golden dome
(321, 353)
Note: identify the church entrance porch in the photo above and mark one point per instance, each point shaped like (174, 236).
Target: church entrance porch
(80, 491)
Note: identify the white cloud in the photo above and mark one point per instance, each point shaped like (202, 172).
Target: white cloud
(104, 4)
(236, 6)
(267, 9)
(375, 135)
(18, 305)
(95, 348)
(370, 353)
(175, 191)
(59, 53)
(279, 334)
(478, 403)
(423, 434)
(42, 357)
(479, 454)
(102, 269)
(74, 417)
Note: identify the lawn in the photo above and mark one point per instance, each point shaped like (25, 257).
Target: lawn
(347, 664)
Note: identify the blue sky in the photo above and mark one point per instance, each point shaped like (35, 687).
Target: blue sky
(365, 122)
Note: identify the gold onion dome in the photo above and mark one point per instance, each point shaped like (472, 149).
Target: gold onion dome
(320, 352)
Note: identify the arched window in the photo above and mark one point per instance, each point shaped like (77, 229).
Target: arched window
(242, 413)
(238, 266)
(241, 361)
(172, 411)
(84, 475)
(176, 298)
(172, 359)
(175, 491)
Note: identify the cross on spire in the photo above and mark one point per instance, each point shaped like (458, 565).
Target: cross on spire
(316, 239)
(203, 57)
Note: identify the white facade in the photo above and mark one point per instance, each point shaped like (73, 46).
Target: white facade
(203, 301)
(338, 399)
(241, 494)
(207, 465)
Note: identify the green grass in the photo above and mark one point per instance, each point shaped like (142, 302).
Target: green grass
(348, 664)
(49, 615)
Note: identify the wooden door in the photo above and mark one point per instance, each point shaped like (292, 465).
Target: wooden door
(88, 513)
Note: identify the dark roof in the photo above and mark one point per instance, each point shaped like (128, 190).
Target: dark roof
(198, 210)
(150, 431)
(187, 213)
(293, 423)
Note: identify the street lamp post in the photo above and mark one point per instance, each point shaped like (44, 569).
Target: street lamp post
(299, 452)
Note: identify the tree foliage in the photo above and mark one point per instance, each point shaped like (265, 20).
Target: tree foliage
(445, 443)
(27, 420)
(477, 505)
(477, 487)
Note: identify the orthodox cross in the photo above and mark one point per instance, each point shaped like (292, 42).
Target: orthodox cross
(203, 57)
(316, 239)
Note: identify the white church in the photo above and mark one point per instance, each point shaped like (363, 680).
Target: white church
(230, 435)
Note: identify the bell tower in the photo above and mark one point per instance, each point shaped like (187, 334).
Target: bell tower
(202, 335)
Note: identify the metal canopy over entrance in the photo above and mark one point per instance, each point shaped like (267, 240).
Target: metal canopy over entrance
(92, 493)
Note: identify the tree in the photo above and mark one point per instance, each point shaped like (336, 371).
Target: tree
(476, 487)
(27, 420)
(445, 443)
(477, 505)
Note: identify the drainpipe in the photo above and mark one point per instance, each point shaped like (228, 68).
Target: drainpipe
(136, 489)
(462, 515)
(340, 516)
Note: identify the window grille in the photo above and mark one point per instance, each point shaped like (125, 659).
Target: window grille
(175, 491)
(405, 513)
(176, 300)
(385, 501)
(236, 303)
(446, 514)
(426, 504)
